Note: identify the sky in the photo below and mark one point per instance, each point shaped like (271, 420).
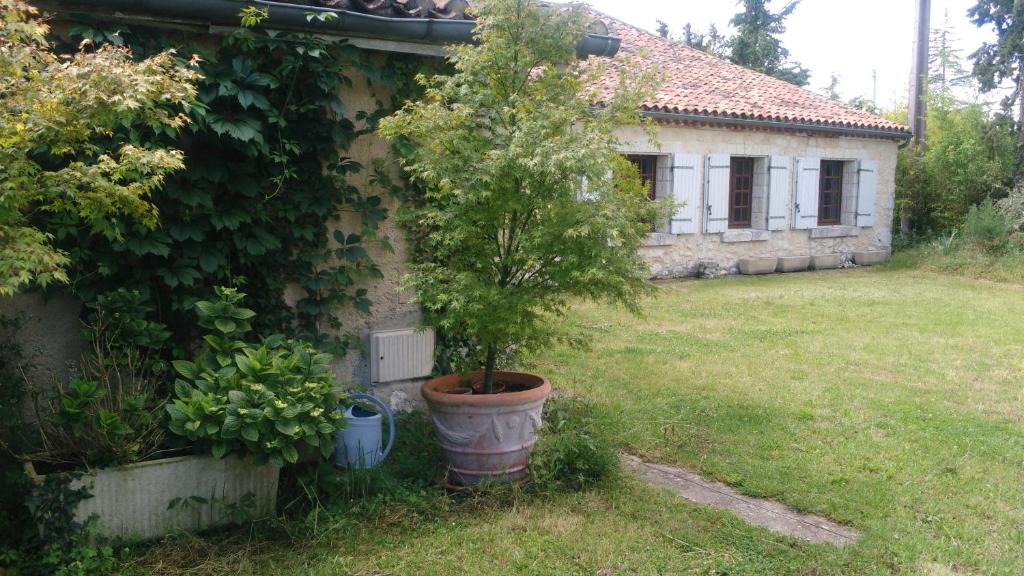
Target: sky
(851, 38)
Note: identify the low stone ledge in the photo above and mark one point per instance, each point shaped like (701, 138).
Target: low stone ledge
(660, 239)
(835, 231)
(749, 235)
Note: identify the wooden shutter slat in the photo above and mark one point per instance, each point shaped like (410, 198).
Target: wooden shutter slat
(716, 197)
(778, 191)
(805, 206)
(867, 191)
(685, 191)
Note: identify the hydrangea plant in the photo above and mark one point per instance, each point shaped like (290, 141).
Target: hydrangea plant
(264, 400)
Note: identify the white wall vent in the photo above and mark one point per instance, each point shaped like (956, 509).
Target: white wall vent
(401, 355)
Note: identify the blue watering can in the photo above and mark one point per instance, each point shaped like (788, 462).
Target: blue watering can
(358, 445)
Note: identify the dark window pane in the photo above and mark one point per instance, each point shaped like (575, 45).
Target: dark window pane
(741, 184)
(830, 204)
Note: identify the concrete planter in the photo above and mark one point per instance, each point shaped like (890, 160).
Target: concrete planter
(870, 258)
(826, 261)
(132, 501)
(487, 438)
(793, 263)
(763, 265)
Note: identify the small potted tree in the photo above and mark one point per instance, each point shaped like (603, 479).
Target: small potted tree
(519, 216)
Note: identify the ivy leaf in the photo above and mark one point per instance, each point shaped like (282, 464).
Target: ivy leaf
(250, 433)
(211, 260)
(231, 424)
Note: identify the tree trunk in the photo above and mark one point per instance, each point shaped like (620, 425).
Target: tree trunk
(1019, 172)
(492, 356)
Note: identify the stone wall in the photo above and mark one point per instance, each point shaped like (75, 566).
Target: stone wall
(686, 254)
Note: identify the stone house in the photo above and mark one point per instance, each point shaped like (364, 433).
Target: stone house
(759, 167)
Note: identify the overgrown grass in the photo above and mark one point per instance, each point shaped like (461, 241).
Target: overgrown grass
(889, 399)
(950, 258)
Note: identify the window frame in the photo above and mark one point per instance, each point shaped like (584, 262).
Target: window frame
(835, 179)
(651, 178)
(747, 162)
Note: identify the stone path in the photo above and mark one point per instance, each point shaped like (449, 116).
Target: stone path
(770, 514)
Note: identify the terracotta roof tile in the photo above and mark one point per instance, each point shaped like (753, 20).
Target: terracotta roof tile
(701, 84)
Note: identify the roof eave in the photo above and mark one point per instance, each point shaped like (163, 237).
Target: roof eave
(830, 129)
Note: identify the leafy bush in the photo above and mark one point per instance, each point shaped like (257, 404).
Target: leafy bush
(1012, 208)
(113, 413)
(573, 452)
(986, 227)
(263, 400)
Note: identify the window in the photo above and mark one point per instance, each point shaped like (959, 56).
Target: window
(830, 195)
(741, 191)
(648, 167)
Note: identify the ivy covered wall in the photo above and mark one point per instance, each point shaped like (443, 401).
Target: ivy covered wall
(287, 193)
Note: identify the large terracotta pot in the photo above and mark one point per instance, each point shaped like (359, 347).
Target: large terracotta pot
(487, 438)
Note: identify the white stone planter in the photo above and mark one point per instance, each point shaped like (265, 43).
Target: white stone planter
(764, 265)
(870, 258)
(132, 501)
(794, 263)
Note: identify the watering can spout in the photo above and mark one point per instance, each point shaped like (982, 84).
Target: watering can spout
(359, 444)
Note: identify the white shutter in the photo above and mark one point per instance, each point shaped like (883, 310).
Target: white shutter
(685, 192)
(716, 198)
(778, 191)
(805, 201)
(867, 189)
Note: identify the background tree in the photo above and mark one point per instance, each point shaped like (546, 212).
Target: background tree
(757, 45)
(832, 89)
(518, 212)
(998, 62)
(946, 69)
(52, 112)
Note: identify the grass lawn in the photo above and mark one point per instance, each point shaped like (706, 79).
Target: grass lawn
(889, 400)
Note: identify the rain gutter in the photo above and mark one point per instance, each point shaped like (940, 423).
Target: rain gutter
(296, 17)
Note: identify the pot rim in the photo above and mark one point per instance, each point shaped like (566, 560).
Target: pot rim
(432, 392)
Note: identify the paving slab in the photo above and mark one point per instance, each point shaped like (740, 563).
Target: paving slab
(770, 514)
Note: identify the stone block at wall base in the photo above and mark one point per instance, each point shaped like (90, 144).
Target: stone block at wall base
(870, 258)
(401, 396)
(763, 265)
(826, 261)
(793, 263)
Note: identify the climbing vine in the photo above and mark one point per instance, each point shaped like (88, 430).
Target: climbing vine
(267, 176)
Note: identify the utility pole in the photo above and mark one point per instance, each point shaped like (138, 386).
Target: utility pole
(917, 108)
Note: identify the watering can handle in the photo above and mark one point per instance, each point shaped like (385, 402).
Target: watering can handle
(387, 414)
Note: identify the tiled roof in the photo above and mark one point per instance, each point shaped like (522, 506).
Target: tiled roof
(696, 83)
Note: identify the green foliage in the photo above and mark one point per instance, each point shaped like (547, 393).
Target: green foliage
(573, 452)
(518, 214)
(266, 178)
(263, 400)
(39, 535)
(986, 228)
(757, 46)
(969, 157)
(999, 61)
(55, 112)
(113, 412)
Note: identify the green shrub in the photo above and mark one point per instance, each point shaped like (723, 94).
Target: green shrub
(113, 412)
(263, 400)
(573, 452)
(986, 227)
